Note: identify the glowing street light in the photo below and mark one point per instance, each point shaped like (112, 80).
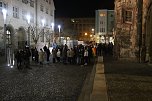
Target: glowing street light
(85, 34)
(28, 17)
(43, 22)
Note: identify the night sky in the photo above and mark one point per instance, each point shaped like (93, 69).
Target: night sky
(80, 8)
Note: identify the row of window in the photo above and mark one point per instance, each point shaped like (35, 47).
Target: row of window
(28, 1)
(3, 5)
(48, 1)
(102, 30)
(46, 10)
(16, 10)
(24, 13)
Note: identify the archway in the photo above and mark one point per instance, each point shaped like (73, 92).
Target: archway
(9, 45)
(149, 33)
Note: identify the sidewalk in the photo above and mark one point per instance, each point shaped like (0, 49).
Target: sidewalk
(128, 81)
(94, 88)
(113, 80)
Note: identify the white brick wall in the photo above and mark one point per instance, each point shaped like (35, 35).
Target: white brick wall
(19, 22)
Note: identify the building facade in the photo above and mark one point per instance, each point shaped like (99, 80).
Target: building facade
(84, 28)
(125, 28)
(75, 29)
(27, 22)
(133, 34)
(104, 25)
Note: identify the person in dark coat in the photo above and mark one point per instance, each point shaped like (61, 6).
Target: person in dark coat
(27, 55)
(54, 55)
(48, 54)
(18, 57)
(45, 48)
(36, 54)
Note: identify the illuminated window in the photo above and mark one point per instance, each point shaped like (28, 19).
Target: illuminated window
(102, 14)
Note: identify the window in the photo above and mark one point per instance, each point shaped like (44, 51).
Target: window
(102, 14)
(31, 3)
(127, 16)
(51, 12)
(50, 1)
(46, 10)
(41, 8)
(15, 12)
(25, 1)
(24, 14)
(5, 5)
(1, 4)
(103, 29)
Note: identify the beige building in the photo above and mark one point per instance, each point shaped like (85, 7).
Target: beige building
(133, 34)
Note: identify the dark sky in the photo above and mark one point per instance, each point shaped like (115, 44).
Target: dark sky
(80, 8)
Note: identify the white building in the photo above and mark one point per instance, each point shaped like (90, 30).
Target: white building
(28, 22)
(104, 24)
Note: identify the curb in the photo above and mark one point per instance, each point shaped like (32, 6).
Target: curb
(88, 85)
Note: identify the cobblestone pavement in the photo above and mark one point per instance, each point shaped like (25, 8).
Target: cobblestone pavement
(53, 82)
(128, 81)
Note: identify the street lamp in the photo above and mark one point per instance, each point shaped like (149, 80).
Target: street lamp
(28, 17)
(59, 27)
(85, 34)
(43, 22)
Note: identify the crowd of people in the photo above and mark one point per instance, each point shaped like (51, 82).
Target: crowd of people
(80, 54)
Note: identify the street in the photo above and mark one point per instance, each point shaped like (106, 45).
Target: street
(53, 82)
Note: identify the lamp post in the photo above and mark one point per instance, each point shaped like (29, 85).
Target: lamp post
(28, 17)
(4, 11)
(59, 27)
